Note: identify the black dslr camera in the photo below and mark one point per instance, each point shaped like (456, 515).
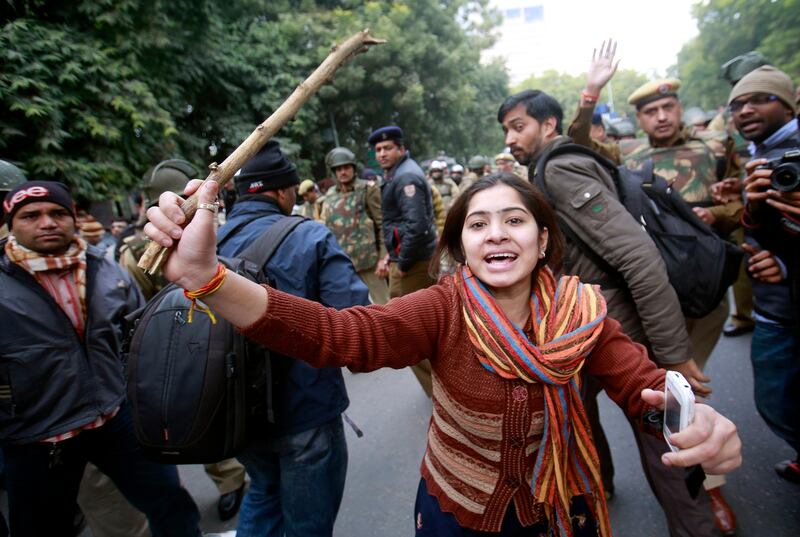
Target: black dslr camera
(785, 171)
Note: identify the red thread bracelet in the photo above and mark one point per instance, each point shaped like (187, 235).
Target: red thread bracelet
(211, 287)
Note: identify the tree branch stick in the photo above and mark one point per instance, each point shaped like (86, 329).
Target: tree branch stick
(155, 254)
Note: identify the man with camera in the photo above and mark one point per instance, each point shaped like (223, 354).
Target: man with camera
(763, 108)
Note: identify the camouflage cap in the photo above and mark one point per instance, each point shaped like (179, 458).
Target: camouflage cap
(734, 69)
(654, 90)
(10, 176)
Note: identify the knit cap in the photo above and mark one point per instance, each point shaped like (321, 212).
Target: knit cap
(269, 169)
(36, 191)
(766, 79)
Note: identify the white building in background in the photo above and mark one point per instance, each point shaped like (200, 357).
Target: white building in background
(538, 35)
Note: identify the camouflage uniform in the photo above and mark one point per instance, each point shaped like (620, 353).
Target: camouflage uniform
(354, 217)
(689, 165)
(448, 189)
(466, 181)
(132, 249)
(439, 212)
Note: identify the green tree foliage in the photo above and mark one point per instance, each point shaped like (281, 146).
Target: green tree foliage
(93, 92)
(566, 89)
(728, 28)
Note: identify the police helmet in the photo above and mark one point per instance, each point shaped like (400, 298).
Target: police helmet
(167, 176)
(339, 156)
(10, 176)
(477, 162)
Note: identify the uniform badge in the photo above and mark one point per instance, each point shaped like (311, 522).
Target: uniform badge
(664, 88)
(409, 190)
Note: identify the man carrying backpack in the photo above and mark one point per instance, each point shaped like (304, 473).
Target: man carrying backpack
(584, 196)
(62, 384)
(298, 472)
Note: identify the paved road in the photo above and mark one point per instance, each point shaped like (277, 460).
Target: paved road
(393, 412)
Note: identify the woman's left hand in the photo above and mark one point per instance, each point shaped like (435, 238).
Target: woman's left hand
(710, 441)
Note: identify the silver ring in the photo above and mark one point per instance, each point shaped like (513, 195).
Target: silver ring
(213, 207)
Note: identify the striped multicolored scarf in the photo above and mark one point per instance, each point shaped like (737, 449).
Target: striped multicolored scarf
(567, 318)
(39, 265)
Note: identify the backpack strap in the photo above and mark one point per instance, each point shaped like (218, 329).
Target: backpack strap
(265, 245)
(571, 149)
(613, 279)
(231, 232)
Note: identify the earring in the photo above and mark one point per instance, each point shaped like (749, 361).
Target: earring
(541, 254)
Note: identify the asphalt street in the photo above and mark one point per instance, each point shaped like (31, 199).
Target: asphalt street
(391, 409)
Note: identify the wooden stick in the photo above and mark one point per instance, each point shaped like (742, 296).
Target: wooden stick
(155, 254)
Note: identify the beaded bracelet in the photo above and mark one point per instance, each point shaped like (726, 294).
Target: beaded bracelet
(211, 287)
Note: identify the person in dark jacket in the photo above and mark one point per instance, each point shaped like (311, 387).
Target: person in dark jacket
(298, 472)
(409, 230)
(62, 381)
(409, 227)
(763, 108)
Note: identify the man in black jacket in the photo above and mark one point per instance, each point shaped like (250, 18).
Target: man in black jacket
(763, 108)
(62, 382)
(409, 229)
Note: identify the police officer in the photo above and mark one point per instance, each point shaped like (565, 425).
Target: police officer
(446, 187)
(476, 166)
(352, 211)
(456, 174)
(10, 178)
(312, 199)
(409, 230)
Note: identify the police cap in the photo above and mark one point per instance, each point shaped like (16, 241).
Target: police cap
(653, 91)
(392, 132)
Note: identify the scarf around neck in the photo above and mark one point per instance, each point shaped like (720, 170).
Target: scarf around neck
(43, 266)
(567, 319)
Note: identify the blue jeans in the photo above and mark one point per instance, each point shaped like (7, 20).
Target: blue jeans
(42, 480)
(296, 483)
(775, 354)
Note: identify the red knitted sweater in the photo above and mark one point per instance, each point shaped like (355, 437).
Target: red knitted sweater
(485, 430)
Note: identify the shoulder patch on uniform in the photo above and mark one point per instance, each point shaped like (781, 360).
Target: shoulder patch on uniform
(409, 190)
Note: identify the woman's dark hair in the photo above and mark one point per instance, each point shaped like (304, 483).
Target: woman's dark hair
(450, 242)
(538, 105)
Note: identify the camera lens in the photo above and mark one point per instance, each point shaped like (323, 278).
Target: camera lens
(786, 177)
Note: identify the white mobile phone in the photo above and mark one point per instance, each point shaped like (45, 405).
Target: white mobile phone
(678, 405)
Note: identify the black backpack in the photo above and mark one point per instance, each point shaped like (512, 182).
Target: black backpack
(700, 264)
(200, 392)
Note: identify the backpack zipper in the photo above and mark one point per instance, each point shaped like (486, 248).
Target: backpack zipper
(178, 322)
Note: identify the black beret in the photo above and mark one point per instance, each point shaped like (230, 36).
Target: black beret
(269, 169)
(392, 132)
